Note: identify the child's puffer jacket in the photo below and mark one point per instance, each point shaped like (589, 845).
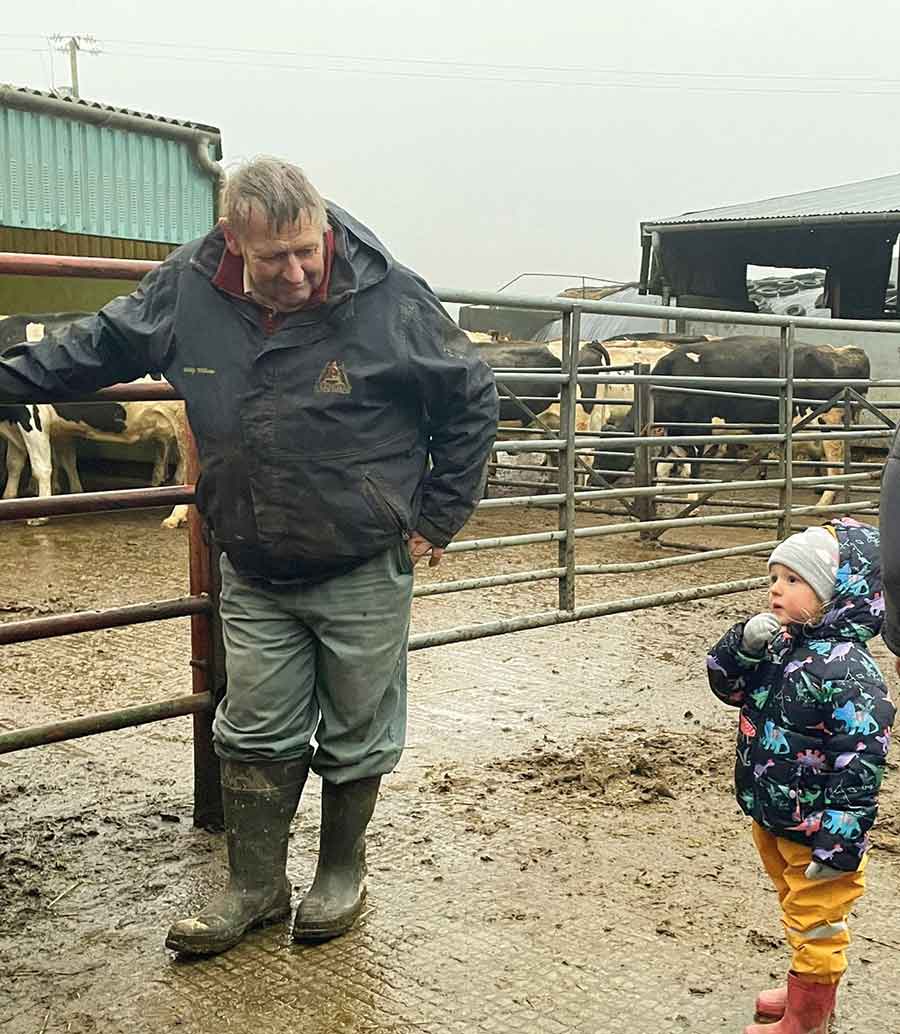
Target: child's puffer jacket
(816, 718)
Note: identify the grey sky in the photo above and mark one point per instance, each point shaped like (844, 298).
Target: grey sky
(473, 181)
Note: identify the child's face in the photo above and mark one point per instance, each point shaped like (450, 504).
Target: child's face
(791, 599)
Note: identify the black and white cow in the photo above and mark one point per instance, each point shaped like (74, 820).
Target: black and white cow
(746, 357)
(45, 434)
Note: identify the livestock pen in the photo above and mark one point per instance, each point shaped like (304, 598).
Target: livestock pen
(538, 854)
(568, 447)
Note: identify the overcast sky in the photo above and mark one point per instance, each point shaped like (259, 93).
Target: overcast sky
(486, 138)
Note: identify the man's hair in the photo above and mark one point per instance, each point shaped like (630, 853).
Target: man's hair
(278, 190)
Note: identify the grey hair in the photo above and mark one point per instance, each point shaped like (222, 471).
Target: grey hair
(279, 190)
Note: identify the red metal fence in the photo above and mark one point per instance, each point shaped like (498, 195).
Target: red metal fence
(207, 653)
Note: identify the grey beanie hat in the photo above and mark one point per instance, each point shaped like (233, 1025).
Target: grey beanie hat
(814, 554)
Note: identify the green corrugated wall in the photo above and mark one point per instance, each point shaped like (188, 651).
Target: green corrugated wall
(61, 174)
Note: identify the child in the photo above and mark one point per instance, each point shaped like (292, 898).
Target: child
(813, 735)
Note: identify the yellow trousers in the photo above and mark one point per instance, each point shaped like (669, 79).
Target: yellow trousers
(814, 912)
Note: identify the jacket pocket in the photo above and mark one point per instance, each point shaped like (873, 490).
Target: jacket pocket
(388, 511)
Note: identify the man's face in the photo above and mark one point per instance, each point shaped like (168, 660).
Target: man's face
(284, 265)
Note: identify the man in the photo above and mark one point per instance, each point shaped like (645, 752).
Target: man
(320, 377)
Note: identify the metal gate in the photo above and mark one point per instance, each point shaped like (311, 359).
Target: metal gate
(570, 449)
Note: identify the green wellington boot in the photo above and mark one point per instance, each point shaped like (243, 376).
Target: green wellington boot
(336, 897)
(260, 800)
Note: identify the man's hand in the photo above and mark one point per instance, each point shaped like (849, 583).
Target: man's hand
(897, 665)
(419, 546)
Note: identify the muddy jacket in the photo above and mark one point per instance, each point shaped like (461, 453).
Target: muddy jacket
(314, 438)
(816, 719)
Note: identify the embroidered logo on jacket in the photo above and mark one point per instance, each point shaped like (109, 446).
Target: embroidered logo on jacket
(333, 379)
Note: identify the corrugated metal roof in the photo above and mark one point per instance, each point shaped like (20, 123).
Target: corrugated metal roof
(875, 196)
(82, 178)
(109, 107)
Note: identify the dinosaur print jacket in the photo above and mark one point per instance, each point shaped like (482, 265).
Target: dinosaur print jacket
(816, 719)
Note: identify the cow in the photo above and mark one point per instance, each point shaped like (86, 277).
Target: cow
(746, 357)
(619, 352)
(597, 406)
(46, 433)
(542, 407)
(522, 356)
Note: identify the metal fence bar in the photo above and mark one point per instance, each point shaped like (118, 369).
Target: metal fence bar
(13, 263)
(592, 441)
(653, 312)
(568, 459)
(812, 481)
(95, 620)
(106, 721)
(635, 527)
(786, 419)
(549, 573)
(94, 502)
(644, 506)
(544, 619)
(207, 662)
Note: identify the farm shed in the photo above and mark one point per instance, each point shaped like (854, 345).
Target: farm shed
(87, 179)
(849, 231)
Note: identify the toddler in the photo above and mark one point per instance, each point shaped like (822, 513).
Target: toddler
(813, 734)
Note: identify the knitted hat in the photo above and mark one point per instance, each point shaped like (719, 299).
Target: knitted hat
(814, 555)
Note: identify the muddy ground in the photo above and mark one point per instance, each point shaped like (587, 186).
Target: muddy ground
(558, 850)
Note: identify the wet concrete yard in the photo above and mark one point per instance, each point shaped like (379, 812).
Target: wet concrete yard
(558, 851)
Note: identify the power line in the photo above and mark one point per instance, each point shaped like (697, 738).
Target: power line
(449, 77)
(462, 71)
(798, 76)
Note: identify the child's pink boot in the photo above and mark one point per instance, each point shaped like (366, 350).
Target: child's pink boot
(770, 1005)
(808, 1009)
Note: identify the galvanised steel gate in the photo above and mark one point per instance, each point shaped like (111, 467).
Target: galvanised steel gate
(571, 450)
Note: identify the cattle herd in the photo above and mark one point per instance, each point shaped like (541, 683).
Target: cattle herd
(45, 435)
(681, 413)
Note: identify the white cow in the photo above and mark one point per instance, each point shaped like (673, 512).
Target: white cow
(621, 352)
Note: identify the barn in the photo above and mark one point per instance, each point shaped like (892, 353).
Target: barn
(90, 180)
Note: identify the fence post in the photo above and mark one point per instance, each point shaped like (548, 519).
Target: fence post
(644, 506)
(207, 662)
(571, 337)
(786, 427)
(848, 447)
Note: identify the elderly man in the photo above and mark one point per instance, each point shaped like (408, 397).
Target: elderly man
(320, 378)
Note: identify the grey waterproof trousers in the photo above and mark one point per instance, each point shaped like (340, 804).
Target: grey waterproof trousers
(327, 660)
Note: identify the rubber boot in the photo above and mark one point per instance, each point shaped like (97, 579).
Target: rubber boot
(808, 1010)
(260, 800)
(338, 892)
(770, 1005)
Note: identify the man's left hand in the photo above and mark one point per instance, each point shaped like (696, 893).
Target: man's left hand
(419, 546)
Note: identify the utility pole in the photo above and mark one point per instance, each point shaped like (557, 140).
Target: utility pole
(72, 45)
(73, 64)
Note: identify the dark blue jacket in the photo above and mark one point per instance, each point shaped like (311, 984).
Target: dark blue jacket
(816, 719)
(314, 439)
